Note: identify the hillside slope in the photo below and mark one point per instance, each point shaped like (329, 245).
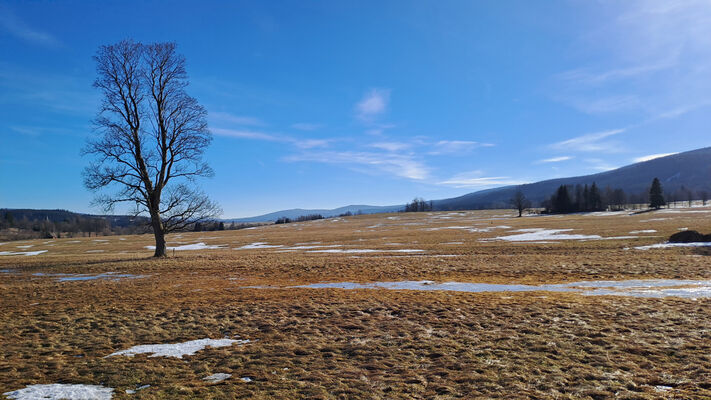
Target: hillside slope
(691, 169)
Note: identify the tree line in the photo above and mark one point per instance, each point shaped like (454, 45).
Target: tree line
(587, 198)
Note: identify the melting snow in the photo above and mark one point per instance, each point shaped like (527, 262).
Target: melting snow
(22, 253)
(668, 245)
(246, 379)
(58, 391)
(542, 234)
(636, 288)
(366, 251)
(644, 231)
(196, 246)
(258, 245)
(25, 246)
(130, 391)
(177, 350)
(216, 378)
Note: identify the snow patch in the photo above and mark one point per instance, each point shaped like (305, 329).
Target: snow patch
(653, 288)
(669, 245)
(366, 251)
(195, 246)
(644, 231)
(22, 253)
(258, 245)
(57, 391)
(177, 350)
(542, 234)
(216, 378)
(133, 391)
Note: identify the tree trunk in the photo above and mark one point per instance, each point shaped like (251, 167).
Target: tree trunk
(160, 242)
(159, 234)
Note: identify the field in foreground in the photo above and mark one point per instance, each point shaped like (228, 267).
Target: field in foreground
(67, 304)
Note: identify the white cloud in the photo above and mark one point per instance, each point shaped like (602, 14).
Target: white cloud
(456, 147)
(373, 104)
(652, 157)
(245, 134)
(555, 159)
(404, 166)
(305, 126)
(18, 28)
(391, 146)
(590, 142)
(236, 119)
(474, 179)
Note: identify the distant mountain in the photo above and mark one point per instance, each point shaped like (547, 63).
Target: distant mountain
(298, 212)
(691, 169)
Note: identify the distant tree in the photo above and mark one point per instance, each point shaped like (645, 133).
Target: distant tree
(418, 204)
(704, 195)
(151, 138)
(560, 202)
(618, 199)
(221, 226)
(595, 199)
(520, 202)
(656, 198)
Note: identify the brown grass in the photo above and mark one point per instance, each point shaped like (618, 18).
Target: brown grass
(364, 343)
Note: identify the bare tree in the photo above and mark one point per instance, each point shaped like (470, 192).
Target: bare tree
(150, 133)
(704, 196)
(520, 202)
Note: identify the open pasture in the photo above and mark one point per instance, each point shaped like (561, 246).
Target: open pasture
(74, 309)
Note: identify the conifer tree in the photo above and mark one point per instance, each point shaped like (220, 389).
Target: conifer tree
(656, 199)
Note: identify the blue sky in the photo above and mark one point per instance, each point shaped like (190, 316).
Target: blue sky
(322, 104)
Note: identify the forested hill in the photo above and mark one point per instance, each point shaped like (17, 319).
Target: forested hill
(690, 170)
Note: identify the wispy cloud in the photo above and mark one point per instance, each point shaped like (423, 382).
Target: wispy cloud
(590, 142)
(223, 117)
(475, 179)
(456, 147)
(598, 164)
(555, 159)
(374, 103)
(246, 134)
(21, 30)
(652, 157)
(403, 166)
(391, 146)
(305, 126)
(301, 143)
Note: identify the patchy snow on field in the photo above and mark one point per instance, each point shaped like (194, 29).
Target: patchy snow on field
(195, 246)
(57, 391)
(542, 234)
(259, 245)
(246, 379)
(27, 246)
(22, 253)
(670, 245)
(178, 350)
(216, 378)
(654, 288)
(133, 391)
(366, 251)
(644, 231)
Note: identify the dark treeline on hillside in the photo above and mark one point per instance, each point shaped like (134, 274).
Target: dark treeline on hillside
(28, 224)
(586, 198)
(303, 218)
(419, 204)
(20, 224)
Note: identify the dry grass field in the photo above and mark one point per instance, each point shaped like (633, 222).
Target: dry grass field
(58, 325)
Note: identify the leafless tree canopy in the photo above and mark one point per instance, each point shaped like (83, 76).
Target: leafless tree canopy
(150, 133)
